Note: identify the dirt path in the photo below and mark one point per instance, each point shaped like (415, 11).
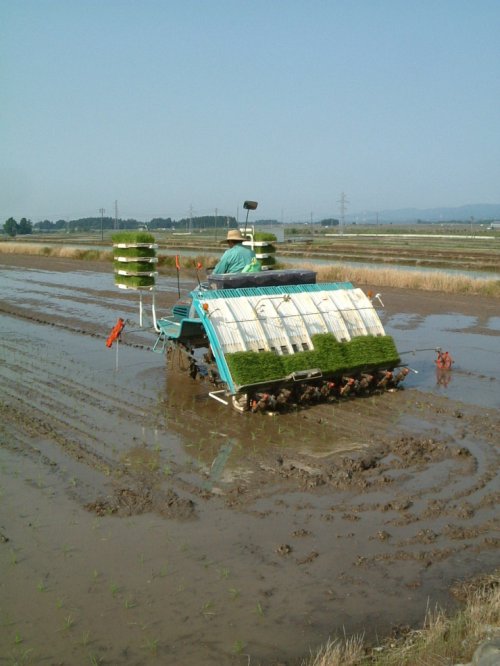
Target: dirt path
(140, 522)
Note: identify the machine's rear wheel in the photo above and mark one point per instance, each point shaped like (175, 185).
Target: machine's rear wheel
(240, 402)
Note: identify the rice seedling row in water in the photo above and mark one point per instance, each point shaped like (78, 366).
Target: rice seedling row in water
(329, 355)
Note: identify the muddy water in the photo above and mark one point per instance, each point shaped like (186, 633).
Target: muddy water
(475, 375)
(141, 522)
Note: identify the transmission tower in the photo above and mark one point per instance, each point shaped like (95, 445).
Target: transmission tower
(343, 207)
(102, 211)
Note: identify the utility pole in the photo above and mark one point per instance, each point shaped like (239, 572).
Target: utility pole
(191, 218)
(102, 211)
(116, 214)
(343, 205)
(216, 224)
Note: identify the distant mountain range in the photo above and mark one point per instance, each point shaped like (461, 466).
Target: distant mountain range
(412, 215)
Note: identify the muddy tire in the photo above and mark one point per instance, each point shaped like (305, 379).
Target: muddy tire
(240, 402)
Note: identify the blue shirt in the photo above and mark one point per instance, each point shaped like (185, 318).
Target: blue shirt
(234, 259)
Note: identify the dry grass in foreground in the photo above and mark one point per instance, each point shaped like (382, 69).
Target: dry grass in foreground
(379, 277)
(443, 639)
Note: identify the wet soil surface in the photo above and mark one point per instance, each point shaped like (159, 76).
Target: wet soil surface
(142, 522)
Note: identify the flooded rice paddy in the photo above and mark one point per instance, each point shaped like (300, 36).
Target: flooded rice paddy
(141, 522)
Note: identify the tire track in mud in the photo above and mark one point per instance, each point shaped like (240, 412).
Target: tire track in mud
(122, 488)
(67, 323)
(57, 393)
(443, 483)
(67, 415)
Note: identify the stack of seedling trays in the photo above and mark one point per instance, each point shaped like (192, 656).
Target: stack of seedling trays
(134, 260)
(264, 249)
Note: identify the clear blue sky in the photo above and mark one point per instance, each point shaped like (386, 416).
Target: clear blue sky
(164, 104)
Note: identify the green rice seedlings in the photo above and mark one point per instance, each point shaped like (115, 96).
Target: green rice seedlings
(253, 367)
(135, 281)
(264, 236)
(68, 622)
(163, 571)
(131, 237)
(259, 610)
(264, 249)
(329, 355)
(151, 645)
(114, 589)
(238, 647)
(134, 267)
(128, 250)
(208, 609)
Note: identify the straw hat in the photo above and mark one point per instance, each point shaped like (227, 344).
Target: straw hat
(234, 235)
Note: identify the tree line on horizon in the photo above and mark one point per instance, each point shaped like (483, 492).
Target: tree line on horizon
(86, 224)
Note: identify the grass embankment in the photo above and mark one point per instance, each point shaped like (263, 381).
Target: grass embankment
(401, 279)
(64, 252)
(444, 639)
(68, 252)
(375, 277)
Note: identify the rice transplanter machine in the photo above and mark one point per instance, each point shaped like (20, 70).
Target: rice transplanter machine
(274, 339)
